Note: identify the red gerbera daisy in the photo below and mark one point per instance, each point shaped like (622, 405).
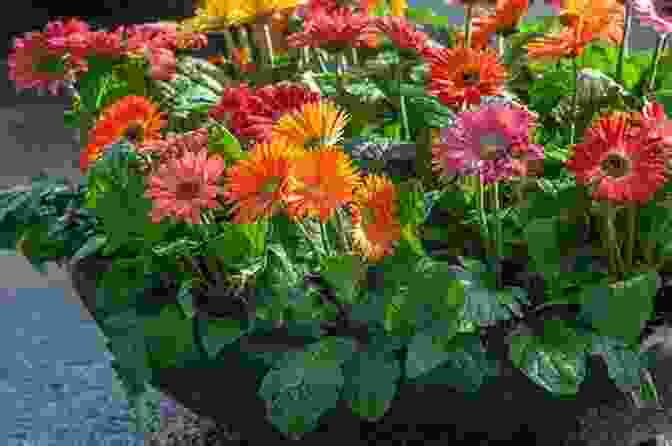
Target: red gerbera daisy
(404, 35)
(620, 164)
(133, 117)
(254, 113)
(460, 75)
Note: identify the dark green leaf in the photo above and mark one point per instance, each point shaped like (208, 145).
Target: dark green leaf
(89, 248)
(169, 337)
(371, 383)
(624, 364)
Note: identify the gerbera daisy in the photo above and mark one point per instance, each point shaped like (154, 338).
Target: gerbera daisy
(184, 186)
(620, 165)
(175, 145)
(504, 21)
(254, 113)
(334, 31)
(314, 124)
(404, 35)
(133, 117)
(258, 185)
(460, 75)
(326, 179)
(656, 13)
(589, 21)
(483, 141)
(34, 62)
(375, 218)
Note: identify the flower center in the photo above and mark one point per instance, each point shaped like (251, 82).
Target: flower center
(134, 132)
(271, 185)
(187, 190)
(615, 166)
(471, 77)
(491, 146)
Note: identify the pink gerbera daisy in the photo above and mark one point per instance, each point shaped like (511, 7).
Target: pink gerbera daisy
(655, 13)
(183, 187)
(484, 142)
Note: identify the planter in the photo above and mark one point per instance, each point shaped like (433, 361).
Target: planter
(225, 389)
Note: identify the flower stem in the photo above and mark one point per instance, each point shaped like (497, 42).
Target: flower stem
(481, 211)
(355, 57)
(469, 13)
(499, 242)
(572, 125)
(657, 52)
(500, 46)
(623, 51)
(345, 239)
(306, 234)
(402, 105)
(325, 239)
(269, 44)
(320, 60)
(615, 260)
(631, 215)
(230, 44)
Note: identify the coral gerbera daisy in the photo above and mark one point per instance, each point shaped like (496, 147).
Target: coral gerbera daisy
(333, 31)
(620, 165)
(483, 142)
(314, 124)
(460, 75)
(326, 179)
(176, 145)
(375, 218)
(404, 35)
(184, 186)
(133, 117)
(258, 185)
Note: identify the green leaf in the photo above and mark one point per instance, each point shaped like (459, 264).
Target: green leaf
(423, 355)
(217, 333)
(92, 246)
(465, 366)
(482, 304)
(426, 16)
(624, 364)
(169, 337)
(550, 367)
(185, 298)
(238, 245)
(541, 235)
(371, 383)
(299, 389)
(343, 273)
(223, 142)
(620, 309)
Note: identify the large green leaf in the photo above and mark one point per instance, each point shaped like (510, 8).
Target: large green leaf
(238, 245)
(624, 364)
(541, 235)
(343, 273)
(559, 370)
(169, 337)
(482, 304)
(222, 142)
(306, 384)
(217, 333)
(620, 309)
(423, 355)
(277, 285)
(371, 383)
(463, 364)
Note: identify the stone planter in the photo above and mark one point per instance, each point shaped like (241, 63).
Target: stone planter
(508, 407)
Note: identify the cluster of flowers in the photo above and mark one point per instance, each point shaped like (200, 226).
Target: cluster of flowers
(58, 55)
(295, 164)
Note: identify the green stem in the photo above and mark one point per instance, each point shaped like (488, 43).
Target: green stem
(614, 249)
(355, 57)
(402, 103)
(657, 52)
(325, 239)
(345, 239)
(481, 211)
(623, 51)
(230, 44)
(469, 13)
(269, 44)
(500, 46)
(499, 241)
(320, 60)
(631, 215)
(244, 39)
(306, 234)
(572, 125)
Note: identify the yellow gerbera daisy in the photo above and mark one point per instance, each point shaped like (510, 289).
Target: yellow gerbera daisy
(315, 124)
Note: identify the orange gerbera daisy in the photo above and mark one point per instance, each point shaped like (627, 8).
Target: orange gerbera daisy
(258, 185)
(591, 21)
(460, 75)
(326, 179)
(315, 124)
(375, 219)
(133, 117)
(504, 21)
